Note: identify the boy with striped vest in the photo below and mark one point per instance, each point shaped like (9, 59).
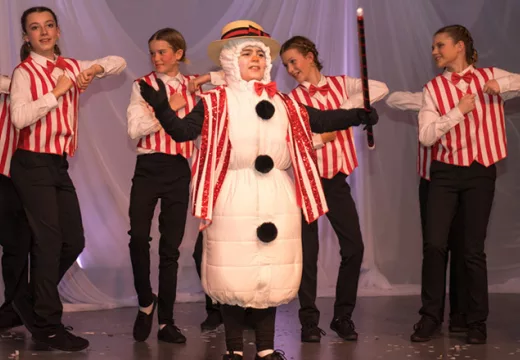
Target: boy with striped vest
(163, 173)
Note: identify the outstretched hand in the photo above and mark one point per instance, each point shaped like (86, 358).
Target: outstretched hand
(158, 99)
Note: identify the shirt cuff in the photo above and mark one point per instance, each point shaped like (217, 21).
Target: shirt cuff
(317, 141)
(50, 100)
(453, 117)
(217, 78)
(504, 83)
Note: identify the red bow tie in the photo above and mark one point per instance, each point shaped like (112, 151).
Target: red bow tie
(323, 90)
(467, 77)
(270, 88)
(60, 64)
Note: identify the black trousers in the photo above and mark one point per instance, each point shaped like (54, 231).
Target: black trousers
(263, 321)
(457, 294)
(469, 190)
(344, 219)
(165, 177)
(51, 205)
(197, 256)
(15, 239)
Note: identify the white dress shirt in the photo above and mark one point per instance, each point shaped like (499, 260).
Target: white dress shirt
(25, 111)
(432, 126)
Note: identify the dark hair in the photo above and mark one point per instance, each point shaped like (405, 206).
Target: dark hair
(172, 37)
(460, 33)
(304, 46)
(25, 50)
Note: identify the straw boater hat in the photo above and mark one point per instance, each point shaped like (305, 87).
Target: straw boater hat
(242, 29)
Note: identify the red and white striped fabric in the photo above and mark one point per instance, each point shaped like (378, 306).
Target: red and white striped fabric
(338, 155)
(8, 136)
(57, 132)
(424, 161)
(211, 164)
(481, 135)
(160, 141)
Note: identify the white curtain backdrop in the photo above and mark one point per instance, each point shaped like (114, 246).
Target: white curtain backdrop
(385, 185)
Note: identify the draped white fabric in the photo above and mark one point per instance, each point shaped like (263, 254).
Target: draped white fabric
(385, 185)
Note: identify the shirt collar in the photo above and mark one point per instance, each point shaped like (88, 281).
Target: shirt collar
(447, 74)
(172, 80)
(322, 82)
(42, 60)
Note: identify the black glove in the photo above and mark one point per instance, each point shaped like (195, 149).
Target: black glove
(368, 118)
(157, 99)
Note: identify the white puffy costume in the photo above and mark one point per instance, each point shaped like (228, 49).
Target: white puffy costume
(237, 267)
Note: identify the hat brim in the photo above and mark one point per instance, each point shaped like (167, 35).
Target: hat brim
(216, 46)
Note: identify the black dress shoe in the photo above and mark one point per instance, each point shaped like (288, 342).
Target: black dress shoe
(171, 334)
(60, 339)
(212, 322)
(425, 330)
(276, 355)
(143, 323)
(477, 333)
(311, 333)
(345, 328)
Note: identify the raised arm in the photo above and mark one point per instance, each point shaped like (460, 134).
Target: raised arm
(323, 121)
(109, 65)
(505, 83)
(185, 129)
(404, 100)
(378, 90)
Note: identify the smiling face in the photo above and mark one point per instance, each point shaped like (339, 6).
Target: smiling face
(445, 51)
(164, 59)
(299, 66)
(42, 32)
(252, 63)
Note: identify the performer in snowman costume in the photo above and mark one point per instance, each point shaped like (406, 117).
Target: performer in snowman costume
(251, 135)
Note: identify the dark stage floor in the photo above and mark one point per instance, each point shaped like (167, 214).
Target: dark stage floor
(384, 324)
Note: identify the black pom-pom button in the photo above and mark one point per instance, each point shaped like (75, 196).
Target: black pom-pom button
(265, 109)
(264, 164)
(267, 232)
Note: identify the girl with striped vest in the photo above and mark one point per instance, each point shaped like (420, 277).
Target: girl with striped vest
(402, 100)
(161, 172)
(250, 207)
(336, 160)
(15, 237)
(45, 93)
(462, 119)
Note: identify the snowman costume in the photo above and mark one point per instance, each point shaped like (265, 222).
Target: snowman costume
(253, 255)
